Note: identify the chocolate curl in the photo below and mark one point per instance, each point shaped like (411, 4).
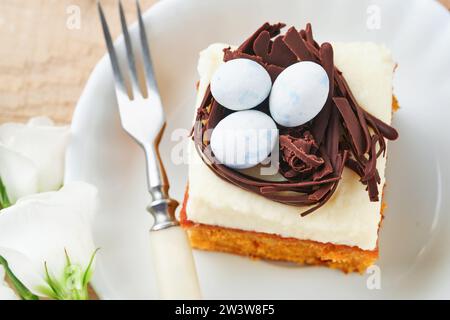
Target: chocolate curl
(230, 55)
(321, 123)
(352, 124)
(381, 140)
(386, 130)
(216, 113)
(309, 36)
(341, 159)
(273, 30)
(299, 156)
(371, 176)
(288, 187)
(274, 71)
(297, 45)
(332, 138)
(294, 148)
(327, 168)
(327, 60)
(322, 119)
(275, 53)
(262, 44)
(320, 193)
(339, 79)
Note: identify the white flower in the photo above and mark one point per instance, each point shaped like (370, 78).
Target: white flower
(47, 241)
(32, 157)
(6, 293)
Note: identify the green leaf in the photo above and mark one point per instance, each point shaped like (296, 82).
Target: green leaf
(4, 200)
(56, 291)
(88, 272)
(23, 291)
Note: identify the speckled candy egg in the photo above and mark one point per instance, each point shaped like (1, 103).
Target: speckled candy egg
(299, 93)
(243, 139)
(240, 84)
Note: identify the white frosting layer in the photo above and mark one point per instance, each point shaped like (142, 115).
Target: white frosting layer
(349, 218)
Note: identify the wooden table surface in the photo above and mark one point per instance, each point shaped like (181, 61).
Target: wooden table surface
(46, 56)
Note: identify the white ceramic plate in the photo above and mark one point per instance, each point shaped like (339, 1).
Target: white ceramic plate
(414, 260)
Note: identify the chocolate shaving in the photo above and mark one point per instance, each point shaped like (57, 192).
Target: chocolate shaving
(216, 113)
(272, 69)
(273, 30)
(314, 155)
(386, 130)
(273, 52)
(297, 45)
(352, 124)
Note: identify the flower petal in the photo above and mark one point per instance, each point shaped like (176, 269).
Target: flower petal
(41, 143)
(26, 270)
(6, 293)
(41, 121)
(19, 174)
(42, 226)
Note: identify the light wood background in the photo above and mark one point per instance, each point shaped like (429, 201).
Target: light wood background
(44, 64)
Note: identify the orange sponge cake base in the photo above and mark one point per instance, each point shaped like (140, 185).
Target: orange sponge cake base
(273, 247)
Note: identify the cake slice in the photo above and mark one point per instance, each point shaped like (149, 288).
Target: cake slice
(339, 230)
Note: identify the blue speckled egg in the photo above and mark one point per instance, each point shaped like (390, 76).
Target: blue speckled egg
(243, 139)
(240, 84)
(299, 93)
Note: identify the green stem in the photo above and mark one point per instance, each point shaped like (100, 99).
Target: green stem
(4, 199)
(23, 292)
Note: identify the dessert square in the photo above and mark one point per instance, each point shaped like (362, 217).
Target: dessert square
(339, 230)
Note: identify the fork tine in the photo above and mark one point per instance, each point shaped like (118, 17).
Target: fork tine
(152, 87)
(120, 83)
(130, 54)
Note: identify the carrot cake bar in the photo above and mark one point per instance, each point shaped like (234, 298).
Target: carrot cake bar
(324, 111)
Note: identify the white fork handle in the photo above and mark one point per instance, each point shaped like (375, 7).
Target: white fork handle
(174, 264)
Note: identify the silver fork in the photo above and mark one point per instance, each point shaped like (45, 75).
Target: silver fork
(142, 117)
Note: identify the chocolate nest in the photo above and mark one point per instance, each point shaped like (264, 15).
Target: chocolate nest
(313, 155)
